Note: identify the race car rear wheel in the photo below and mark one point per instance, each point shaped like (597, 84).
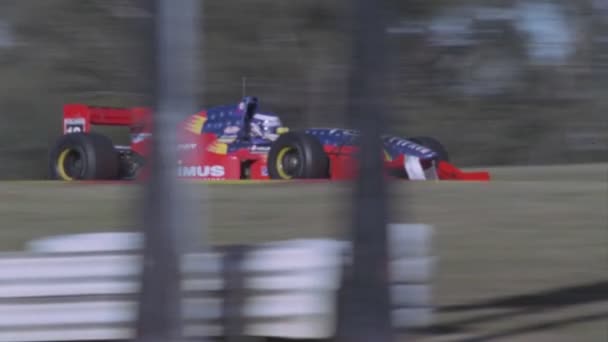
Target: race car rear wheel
(434, 145)
(297, 155)
(84, 156)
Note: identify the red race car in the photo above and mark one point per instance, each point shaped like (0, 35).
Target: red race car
(235, 142)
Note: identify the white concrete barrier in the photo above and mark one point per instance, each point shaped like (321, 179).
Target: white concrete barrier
(84, 287)
(88, 243)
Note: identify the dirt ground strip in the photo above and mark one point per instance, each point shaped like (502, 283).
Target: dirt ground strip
(522, 258)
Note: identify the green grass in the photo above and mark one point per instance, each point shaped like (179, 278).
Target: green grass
(532, 231)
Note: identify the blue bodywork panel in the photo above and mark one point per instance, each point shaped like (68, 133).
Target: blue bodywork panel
(393, 145)
(221, 117)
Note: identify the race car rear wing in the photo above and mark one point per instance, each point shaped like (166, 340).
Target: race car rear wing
(80, 117)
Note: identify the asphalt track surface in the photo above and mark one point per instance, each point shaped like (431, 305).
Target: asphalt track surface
(522, 258)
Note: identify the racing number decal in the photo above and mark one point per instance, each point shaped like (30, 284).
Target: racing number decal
(73, 125)
(74, 128)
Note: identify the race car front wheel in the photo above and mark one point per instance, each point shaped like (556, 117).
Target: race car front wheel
(434, 145)
(83, 156)
(297, 155)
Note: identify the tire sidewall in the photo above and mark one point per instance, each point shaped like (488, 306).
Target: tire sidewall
(100, 160)
(313, 160)
(433, 144)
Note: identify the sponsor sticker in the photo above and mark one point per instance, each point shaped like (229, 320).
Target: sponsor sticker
(227, 139)
(259, 149)
(213, 171)
(409, 144)
(186, 147)
(232, 129)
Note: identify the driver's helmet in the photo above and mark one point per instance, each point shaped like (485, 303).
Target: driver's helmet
(265, 126)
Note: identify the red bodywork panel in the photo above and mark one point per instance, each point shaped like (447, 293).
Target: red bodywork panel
(202, 156)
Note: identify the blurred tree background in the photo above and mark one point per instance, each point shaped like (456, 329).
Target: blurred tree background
(500, 82)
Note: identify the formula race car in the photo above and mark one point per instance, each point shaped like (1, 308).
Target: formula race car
(235, 142)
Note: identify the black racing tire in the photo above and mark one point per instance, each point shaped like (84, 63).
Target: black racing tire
(297, 155)
(84, 156)
(434, 145)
